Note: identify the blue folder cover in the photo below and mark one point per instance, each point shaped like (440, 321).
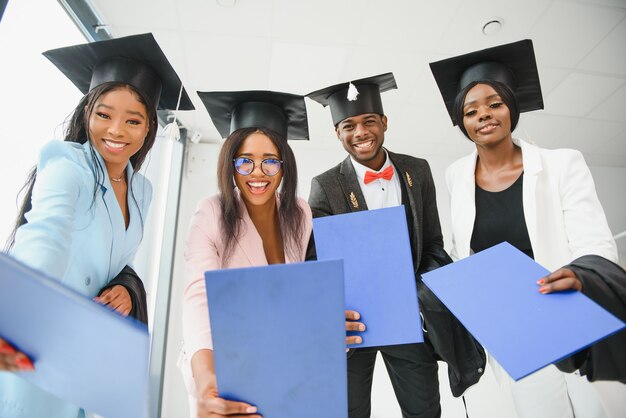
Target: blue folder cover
(495, 295)
(83, 352)
(279, 338)
(380, 282)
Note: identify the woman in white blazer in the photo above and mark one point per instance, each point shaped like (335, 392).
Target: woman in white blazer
(83, 216)
(542, 201)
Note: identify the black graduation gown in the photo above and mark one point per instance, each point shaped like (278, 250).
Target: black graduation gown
(605, 283)
(133, 284)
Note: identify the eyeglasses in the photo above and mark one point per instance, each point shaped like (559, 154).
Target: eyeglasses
(269, 166)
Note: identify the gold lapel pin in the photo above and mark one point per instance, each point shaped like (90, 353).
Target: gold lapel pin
(355, 203)
(409, 179)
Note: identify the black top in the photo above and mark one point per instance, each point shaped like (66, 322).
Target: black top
(500, 217)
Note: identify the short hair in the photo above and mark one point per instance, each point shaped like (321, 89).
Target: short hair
(508, 97)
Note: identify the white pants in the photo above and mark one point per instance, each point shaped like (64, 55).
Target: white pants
(613, 398)
(550, 393)
(184, 365)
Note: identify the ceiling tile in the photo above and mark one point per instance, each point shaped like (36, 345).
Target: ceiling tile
(580, 93)
(424, 122)
(616, 146)
(246, 18)
(407, 67)
(611, 3)
(605, 160)
(604, 58)
(408, 24)
(543, 129)
(550, 78)
(224, 69)
(320, 21)
(159, 14)
(588, 136)
(290, 58)
(464, 34)
(612, 108)
(568, 31)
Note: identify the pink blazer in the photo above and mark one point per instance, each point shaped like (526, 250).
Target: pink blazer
(203, 252)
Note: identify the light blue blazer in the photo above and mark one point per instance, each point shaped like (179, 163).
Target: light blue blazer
(75, 236)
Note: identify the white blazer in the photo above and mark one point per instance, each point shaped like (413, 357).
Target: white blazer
(563, 214)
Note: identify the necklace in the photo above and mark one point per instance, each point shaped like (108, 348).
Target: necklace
(117, 180)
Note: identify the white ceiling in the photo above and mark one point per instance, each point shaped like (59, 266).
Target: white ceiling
(298, 46)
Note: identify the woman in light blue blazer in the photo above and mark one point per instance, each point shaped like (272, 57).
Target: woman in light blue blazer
(84, 213)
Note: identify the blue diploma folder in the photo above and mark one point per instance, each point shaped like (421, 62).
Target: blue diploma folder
(82, 352)
(494, 293)
(380, 282)
(279, 338)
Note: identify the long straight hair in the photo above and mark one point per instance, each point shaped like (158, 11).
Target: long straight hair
(290, 214)
(78, 131)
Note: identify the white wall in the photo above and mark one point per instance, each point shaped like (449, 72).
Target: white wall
(199, 181)
(36, 97)
(611, 187)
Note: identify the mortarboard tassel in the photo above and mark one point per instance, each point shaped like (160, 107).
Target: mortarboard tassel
(352, 92)
(171, 131)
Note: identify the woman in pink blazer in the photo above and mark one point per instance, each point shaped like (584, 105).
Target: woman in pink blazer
(255, 220)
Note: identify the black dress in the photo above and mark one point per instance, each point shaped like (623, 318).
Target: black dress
(499, 218)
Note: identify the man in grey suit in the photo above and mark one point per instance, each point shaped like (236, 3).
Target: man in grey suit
(372, 177)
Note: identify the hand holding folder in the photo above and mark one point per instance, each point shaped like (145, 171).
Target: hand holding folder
(279, 338)
(494, 293)
(12, 360)
(83, 352)
(379, 275)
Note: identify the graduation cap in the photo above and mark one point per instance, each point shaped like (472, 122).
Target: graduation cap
(512, 64)
(356, 97)
(135, 60)
(283, 113)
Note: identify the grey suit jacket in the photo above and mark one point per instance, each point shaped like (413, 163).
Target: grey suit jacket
(337, 191)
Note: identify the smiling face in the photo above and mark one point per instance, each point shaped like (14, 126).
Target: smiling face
(258, 188)
(486, 117)
(118, 126)
(363, 136)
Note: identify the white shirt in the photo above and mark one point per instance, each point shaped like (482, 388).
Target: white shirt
(380, 193)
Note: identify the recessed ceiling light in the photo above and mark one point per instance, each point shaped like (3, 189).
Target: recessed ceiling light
(226, 3)
(492, 26)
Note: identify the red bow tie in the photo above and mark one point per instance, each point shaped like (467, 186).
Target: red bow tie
(386, 174)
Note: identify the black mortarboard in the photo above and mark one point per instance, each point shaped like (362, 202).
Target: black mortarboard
(135, 60)
(366, 98)
(512, 64)
(283, 113)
